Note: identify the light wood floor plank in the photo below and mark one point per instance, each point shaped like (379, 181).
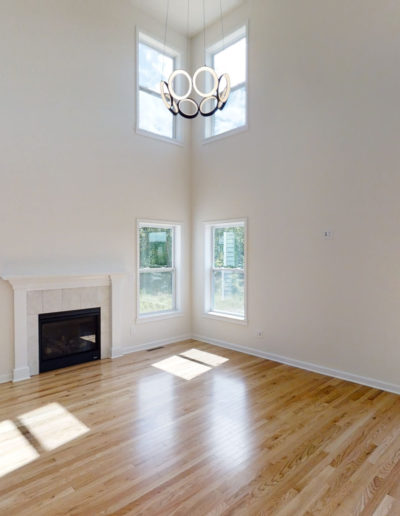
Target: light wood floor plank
(249, 436)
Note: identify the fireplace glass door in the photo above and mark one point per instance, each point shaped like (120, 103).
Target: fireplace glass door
(68, 338)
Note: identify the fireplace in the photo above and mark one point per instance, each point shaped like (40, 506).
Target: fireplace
(68, 338)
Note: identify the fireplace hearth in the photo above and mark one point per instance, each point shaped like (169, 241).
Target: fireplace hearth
(68, 338)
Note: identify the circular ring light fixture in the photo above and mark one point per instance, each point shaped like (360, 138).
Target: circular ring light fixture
(168, 99)
(188, 108)
(205, 69)
(210, 102)
(223, 92)
(171, 88)
(212, 108)
(165, 94)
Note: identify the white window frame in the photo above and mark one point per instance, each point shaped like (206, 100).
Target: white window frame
(209, 269)
(230, 39)
(176, 269)
(154, 43)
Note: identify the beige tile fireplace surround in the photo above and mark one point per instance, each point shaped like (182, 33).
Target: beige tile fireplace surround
(34, 295)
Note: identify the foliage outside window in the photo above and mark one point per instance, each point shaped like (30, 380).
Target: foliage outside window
(157, 269)
(227, 293)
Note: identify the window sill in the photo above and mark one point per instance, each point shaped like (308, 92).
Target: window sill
(227, 134)
(155, 136)
(158, 316)
(226, 318)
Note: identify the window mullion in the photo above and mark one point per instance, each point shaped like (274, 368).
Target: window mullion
(149, 91)
(238, 87)
(233, 269)
(156, 269)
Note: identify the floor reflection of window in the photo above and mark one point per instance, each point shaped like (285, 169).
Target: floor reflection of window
(15, 449)
(190, 364)
(228, 425)
(156, 417)
(205, 357)
(186, 369)
(52, 425)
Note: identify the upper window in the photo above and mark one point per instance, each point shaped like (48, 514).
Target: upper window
(227, 269)
(154, 64)
(230, 56)
(158, 257)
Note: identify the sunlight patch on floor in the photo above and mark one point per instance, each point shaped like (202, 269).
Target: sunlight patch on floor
(203, 356)
(52, 425)
(178, 366)
(15, 449)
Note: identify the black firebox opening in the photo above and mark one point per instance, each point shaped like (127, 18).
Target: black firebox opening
(68, 338)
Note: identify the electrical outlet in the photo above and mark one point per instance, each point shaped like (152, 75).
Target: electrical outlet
(328, 234)
(259, 334)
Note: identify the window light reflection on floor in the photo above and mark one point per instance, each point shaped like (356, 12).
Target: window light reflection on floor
(190, 364)
(52, 425)
(15, 449)
(205, 357)
(186, 369)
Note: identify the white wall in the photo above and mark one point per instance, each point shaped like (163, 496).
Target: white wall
(322, 152)
(74, 175)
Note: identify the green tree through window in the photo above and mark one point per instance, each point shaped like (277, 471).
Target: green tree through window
(228, 275)
(157, 274)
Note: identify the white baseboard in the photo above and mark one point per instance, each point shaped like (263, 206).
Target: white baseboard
(153, 344)
(308, 366)
(21, 373)
(4, 378)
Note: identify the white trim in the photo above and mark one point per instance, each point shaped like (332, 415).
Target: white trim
(153, 42)
(241, 31)
(22, 284)
(21, 373)
(155, 343)
(177, 251)
(226, 318)
(4, 378)
(54, 282)
(236, 34)
(159, 316)
(308, 366)
(157, 223)
(226, 134)
(208, 269)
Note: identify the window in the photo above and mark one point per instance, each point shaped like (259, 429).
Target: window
(226, 266)
(230, 57)
(158, 271)
(154, 64)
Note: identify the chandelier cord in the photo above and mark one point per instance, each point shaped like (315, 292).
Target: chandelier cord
(222, 25)
(204, 29)
(187, 33)
(165, 40)
(215, 96)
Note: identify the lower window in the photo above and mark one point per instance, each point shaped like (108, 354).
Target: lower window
(226, 267)
(158, 256)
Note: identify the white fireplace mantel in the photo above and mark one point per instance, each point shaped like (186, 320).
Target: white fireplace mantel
(22, 284)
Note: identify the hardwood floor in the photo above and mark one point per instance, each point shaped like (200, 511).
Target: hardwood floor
(247, 436)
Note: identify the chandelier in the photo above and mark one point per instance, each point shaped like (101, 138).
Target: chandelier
(207, 101)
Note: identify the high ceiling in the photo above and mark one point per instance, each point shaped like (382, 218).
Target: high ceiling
(178, 12)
